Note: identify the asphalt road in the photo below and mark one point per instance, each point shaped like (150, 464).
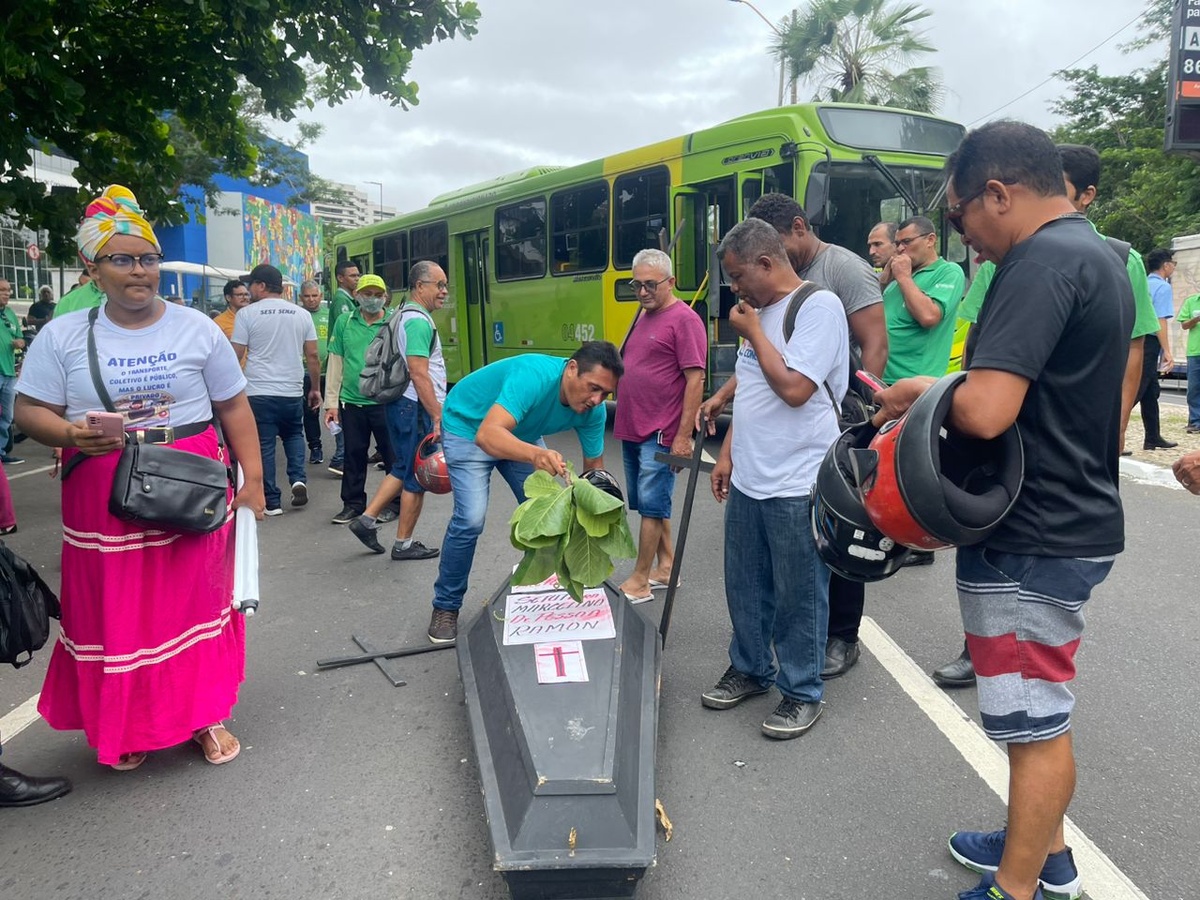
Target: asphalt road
(348, 787)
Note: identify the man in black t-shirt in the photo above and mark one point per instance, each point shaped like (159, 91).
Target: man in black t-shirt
(1021, 592)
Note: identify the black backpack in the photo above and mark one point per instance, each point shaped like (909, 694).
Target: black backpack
(26, 607)
(856, 406)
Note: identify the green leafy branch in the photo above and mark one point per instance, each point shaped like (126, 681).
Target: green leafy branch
(573, 531)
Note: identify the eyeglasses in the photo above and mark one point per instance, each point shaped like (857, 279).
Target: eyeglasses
(954, 213)
(123, 262)
(638, 286)
(440, 285)
(904, 242)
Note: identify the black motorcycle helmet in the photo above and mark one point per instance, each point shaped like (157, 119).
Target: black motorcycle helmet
(847, 541)
(603, 480)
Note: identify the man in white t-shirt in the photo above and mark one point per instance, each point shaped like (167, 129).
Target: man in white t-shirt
(271, 336)
(785, 419)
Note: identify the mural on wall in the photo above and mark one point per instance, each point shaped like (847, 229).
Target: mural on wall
(282, 236)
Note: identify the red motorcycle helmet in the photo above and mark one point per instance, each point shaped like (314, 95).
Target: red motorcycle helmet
(847, 540)
(429, 466)
(928, 487)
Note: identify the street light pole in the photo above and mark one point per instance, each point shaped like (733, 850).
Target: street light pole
(378, 184)
(778, 34)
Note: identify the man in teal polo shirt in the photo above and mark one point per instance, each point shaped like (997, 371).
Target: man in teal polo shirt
(359, 416)
(495, 419)
(920, 303)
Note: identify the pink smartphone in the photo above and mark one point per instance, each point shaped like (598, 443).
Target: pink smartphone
(870, 380)
(107, 423)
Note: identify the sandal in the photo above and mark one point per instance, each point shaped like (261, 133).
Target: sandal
(129, 761)
(211, 731)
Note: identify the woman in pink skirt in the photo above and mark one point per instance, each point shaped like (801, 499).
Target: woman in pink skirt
(150, 653)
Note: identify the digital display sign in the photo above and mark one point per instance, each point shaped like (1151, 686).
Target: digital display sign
(1183, 106)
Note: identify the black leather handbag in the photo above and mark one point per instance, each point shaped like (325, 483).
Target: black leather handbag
(160, 486)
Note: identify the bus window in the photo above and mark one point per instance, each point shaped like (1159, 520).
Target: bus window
(521, 240)
(579, 223)
(391, 260)
(432, 242)
(780, 179)
(859, 197)
(641, 203)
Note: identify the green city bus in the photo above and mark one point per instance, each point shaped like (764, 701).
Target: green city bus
(540, 260)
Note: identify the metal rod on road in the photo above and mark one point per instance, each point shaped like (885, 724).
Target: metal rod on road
(338, 662)
(694, 465)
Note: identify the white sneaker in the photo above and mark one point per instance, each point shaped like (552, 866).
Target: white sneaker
(299, 493)
(274, 511)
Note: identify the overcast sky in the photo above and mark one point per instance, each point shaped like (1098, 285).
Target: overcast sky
(558, 82)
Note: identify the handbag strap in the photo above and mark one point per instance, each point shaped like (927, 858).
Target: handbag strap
(94, 361)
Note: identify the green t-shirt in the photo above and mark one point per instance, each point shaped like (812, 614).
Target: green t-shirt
(1189, 310)
(1145, 320)
(342, 302)
(11, 331)
(912, 349)
(85, 296)
(351, 337)
(527, 386)
(320, 317)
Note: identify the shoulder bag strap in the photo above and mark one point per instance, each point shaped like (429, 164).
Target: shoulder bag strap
(94, 361)
(803, 292)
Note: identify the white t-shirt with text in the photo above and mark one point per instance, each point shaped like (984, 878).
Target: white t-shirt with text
(168, 373)
(273, 331)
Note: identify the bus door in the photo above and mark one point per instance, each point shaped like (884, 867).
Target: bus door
(478, 330)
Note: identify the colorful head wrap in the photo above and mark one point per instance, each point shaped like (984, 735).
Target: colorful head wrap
(116, 211)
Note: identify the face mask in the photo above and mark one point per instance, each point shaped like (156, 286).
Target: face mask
(372, 304)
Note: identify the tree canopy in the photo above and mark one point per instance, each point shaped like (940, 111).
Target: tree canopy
(1146, 196)
(861, 51)
(165, 92)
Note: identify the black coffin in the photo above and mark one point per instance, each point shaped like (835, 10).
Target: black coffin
(567, 770)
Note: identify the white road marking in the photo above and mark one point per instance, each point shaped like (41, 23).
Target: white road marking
(1148, 473)
(28, 472)
(1102, 879)
(19, 719)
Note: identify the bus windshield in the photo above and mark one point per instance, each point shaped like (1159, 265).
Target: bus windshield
(860, 195)
(878, 129)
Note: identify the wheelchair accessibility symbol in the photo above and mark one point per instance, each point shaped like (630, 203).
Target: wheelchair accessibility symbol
(497, 332)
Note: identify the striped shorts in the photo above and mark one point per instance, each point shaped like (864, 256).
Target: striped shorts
(1023, 617)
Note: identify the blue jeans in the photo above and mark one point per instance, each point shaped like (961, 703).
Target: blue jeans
(283, 418)
(8, 396)
(777, 591)
(1193, 391)
(648, 482)
(471, 477)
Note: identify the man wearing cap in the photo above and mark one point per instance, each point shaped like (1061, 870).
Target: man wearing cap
(271, 336)
(359, 416)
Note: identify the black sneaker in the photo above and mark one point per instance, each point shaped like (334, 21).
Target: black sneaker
(335, 467)
(11, 460)
(299, 493)
(732, 688)
(346, 516)
(840, 657)
(365, 533)
(315, 458)
(791, 719)
(416, 550)
(443, 626)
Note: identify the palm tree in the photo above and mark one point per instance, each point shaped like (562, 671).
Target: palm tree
(861, 51)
